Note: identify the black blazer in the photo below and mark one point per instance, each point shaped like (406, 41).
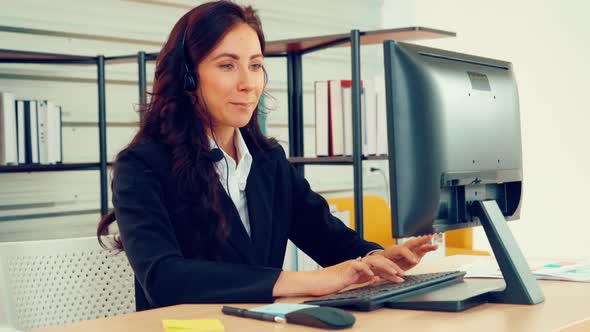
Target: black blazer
(161, 230)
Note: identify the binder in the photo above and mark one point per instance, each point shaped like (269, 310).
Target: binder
(59, 153)
(347, 113)
(55, 140)
(43, 132)
(21, 132)
(370, 119)
(8, 144)
(31, 136)
(53, 132)
(336, 117)
(38, 132)
(322, 119)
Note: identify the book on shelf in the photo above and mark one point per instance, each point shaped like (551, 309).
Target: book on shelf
(334, 124)
(347, 112)
(59, 154)
(31, 132)
(370, 119)
(336, 115)
(381, 113)
(37, 133)
(322, 120)
(43, 131)
(53, 133)
(20, 131)
(8, 143)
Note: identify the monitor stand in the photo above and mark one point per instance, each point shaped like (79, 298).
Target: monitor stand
(518, 287)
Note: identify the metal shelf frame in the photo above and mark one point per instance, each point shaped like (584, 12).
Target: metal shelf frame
(12, 56)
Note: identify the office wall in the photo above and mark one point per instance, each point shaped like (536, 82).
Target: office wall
(547, 43)
(113, 27)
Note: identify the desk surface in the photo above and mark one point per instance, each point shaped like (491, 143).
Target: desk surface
(566, 303)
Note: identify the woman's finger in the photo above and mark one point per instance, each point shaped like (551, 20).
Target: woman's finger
(407, 254)
(384, 264)
(362, 270)
(423, 250)
(416, 242)
(386, 269)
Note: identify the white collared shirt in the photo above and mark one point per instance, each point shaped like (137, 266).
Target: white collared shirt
(238, 176)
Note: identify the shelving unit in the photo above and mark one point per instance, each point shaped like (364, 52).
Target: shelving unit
(11, 56)
(293, 50)
(290, 49)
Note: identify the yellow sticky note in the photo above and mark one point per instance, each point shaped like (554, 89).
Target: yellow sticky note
(192, 325)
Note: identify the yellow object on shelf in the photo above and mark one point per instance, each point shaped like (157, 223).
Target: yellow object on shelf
(377, 226)
(460, 242)
(376, 217)
(193, 325)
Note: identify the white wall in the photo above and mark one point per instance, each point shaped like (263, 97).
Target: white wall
(116, 27)
(547, 42)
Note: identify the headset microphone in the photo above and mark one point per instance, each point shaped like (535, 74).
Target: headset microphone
(215, 155)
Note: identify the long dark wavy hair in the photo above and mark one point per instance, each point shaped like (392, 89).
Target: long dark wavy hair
(180, 119)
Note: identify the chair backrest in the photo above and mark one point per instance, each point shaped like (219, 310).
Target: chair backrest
(54, 282)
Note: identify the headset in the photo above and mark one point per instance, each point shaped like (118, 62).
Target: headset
(190, 79)
(190, 83)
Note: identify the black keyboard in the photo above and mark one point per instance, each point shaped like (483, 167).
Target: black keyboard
(375, 295)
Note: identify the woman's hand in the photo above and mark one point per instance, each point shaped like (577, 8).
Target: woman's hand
(407, 254)
(389, 264)
(323, 281)
(336, 277)
(384, 267)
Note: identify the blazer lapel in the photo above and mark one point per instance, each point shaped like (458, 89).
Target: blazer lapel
(259, 195)
(238, 238)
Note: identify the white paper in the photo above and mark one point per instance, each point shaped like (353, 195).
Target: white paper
(551, 269)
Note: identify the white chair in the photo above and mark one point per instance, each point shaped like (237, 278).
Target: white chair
(54, 282)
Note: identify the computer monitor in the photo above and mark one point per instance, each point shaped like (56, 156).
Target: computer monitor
(455, 151)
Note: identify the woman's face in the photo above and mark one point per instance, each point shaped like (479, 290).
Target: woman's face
(232, 78)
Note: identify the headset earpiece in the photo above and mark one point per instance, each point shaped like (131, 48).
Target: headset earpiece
(190, 83)
(190, 80)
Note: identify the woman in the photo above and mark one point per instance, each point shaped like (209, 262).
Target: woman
(200, 225)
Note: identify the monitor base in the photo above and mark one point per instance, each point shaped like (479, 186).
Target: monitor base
(456, 297)
(519, 286)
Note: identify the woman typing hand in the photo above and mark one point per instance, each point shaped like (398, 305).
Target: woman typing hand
(388, 264)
